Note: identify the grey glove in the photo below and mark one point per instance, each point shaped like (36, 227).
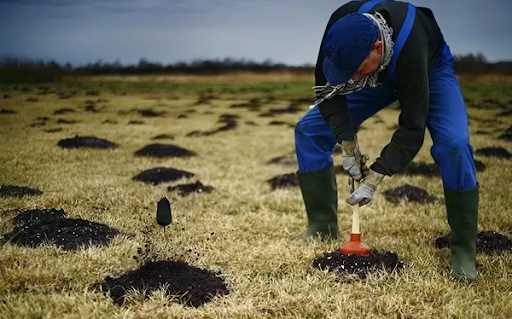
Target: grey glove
(352, 159)
(364, 193)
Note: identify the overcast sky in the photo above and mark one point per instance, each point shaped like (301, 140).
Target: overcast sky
(289, 31)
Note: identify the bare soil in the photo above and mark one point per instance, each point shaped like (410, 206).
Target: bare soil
(191, 286)
(160, 175)
(359, 265)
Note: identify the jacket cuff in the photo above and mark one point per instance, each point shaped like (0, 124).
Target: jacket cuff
(379, 168)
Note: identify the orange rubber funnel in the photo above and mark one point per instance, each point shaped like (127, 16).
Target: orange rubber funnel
(355, 246)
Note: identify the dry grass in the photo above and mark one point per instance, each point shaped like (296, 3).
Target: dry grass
(257, 241)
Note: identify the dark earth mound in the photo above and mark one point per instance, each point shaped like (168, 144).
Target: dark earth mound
(160, 175)
(92, 108)
(136, 122)
(68, 234)
(163, 137)
(182, 116)
(507, 135)
(358, 265)
(64, 121)
(280, 123)
(482, 132)
(230, 123)
(187, 189)
(204, 98)
(40, 121)
(505, 113)
(7, 111)
(431, 169)
(39, 216)
(151, 113)
(283, 181)
(64, 110)
(18, 191)
(253, 104)
(498, 152)
(487, 242)
(194, 133)
(480, 166)
(108, 121)
(53, 130)
(92, 93)
(283, 160)
(86, 142)
(227, 116)
(422, 169)
(164, 150)
(290, 109)
(190, 285)
(408, 193)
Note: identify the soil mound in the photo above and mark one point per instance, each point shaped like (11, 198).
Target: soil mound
(507, 135)
(253, 104)
(283, 181)
(204, 99)
(163, 137)
(190, 285)
(164, 150)
(160, 175)
(150, 113)
(505, 113)
(6, 111)
(408, 193)
(91, 108)
(68, 234)
(431, 169)
(227, 116)
(136, 122)
(422, 169)
(359, 265)
(280, 123)
(498, 152)
(39, 216)
(290, 109)
(86, 142)
(64, 121)
(64, 110)
(487, 242)
(283, 160)
(53, 130)
(187, 189)
(18, 191)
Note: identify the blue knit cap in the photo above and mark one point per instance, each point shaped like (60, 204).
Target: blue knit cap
(347, 43)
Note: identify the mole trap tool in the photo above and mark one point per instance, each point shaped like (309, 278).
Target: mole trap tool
(355, 245)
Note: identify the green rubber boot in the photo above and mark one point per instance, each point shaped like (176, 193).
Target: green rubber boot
(462, 209)
(319, 192)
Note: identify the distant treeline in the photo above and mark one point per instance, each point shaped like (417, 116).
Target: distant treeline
(17, 70)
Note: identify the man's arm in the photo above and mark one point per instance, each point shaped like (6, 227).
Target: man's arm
(412, 83)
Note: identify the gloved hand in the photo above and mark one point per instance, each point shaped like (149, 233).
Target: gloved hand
(352, 159)
(364, 193)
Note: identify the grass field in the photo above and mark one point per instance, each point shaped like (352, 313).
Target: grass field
(246, 231)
